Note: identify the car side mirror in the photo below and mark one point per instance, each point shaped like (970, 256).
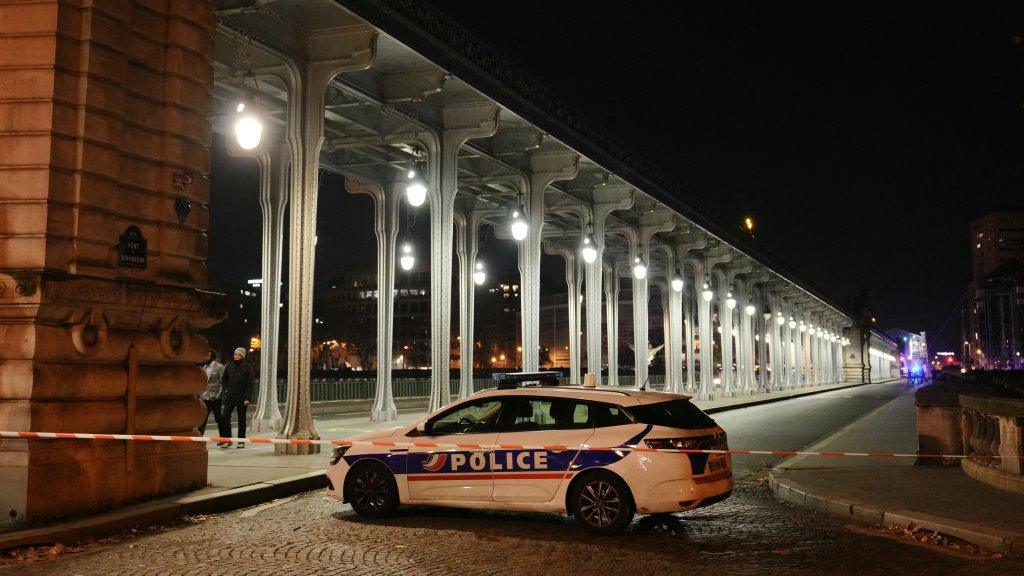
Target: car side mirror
(421, 427)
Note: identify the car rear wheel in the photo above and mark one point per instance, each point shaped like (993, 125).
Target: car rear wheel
(372, 490)
(601, 503)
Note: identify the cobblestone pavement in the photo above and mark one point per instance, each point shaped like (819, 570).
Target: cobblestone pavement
(750, 533)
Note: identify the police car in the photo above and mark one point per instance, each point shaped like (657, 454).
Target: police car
(518, 447)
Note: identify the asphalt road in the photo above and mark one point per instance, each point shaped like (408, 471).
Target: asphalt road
(750, 533)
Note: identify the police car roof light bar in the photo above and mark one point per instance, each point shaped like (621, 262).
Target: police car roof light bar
(509, 380)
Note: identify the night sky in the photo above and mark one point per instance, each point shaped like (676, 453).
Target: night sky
(863, 140)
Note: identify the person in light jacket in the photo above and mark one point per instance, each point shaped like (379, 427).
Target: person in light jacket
(211, 396)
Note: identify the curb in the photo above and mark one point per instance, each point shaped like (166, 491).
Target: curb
(100, 525)
(1004, 541)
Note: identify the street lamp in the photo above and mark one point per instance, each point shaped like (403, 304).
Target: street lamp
(677, 283)
(706, 293)
(588, 249)
(407, 260)
(519, 226)
(416, 189)
(248, 127)
(639, 268)
(479, 276)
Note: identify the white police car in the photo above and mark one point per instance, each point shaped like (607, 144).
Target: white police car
(518, 448)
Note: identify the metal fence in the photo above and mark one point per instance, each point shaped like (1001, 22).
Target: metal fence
(328, 389)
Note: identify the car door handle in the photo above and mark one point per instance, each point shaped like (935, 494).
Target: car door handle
(399, 450)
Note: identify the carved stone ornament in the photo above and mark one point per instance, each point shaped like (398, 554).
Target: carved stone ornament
(89, 334)
(175, 338)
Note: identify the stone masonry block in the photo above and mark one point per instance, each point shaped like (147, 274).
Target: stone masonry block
(25, 84)
(28, 18)
(27, 51)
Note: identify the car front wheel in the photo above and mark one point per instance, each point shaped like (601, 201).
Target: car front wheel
(601, 503)
(372, 490)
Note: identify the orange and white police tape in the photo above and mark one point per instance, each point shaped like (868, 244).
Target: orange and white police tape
(457, 446)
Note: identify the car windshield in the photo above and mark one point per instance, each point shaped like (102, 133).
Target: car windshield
(674, 414)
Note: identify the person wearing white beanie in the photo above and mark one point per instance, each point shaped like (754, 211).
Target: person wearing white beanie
(236, 385)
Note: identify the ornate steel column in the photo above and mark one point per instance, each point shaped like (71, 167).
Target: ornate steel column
(690, 305)
(611, 301)
(462, 122)
(386, 203)
(572, 284)
(467, 224)
(691, 292)
(545, 168)
(607, 199)
(272, 158)
(351, 48)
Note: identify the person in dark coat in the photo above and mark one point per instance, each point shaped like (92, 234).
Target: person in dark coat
(211, 396)
(236, 384)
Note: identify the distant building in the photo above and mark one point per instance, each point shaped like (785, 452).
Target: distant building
(993, 319)
(995, 239)
(345, 321)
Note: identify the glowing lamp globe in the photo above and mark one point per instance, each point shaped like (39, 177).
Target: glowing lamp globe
(479, 276)
(248, 128)
(588, 250)
(639, 270)
(519, 226)
(407, 260)
(677, 283)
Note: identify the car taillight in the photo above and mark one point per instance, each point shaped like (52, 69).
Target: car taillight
(716, 442)
(337, 453)
(670, 443)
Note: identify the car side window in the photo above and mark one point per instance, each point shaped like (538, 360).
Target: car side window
(603, 415)
(522, 414)
(472, 418)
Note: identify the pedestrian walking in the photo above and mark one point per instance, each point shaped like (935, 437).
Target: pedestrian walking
(236, 384)
(211, 396)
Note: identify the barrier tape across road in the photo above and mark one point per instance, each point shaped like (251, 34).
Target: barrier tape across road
(456, 446)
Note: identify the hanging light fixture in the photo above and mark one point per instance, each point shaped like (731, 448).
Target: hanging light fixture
(416, 188)
(519, 226)
(780, 319)
(677, 282)
(588, 249)
(750, 309)
(803, 327)
(639, 268)
(730, 302)
(792, 323)
(248, 127)
(706, 292)
(407, 260)
(479, 276)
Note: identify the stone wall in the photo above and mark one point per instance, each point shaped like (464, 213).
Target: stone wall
(103, 127)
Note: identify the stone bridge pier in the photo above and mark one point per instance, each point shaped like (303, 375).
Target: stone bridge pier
(104, 152)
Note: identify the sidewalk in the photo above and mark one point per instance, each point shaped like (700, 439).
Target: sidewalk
(883, 491)
(244, 477)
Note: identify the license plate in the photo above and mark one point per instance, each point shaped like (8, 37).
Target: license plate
(716, 464)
